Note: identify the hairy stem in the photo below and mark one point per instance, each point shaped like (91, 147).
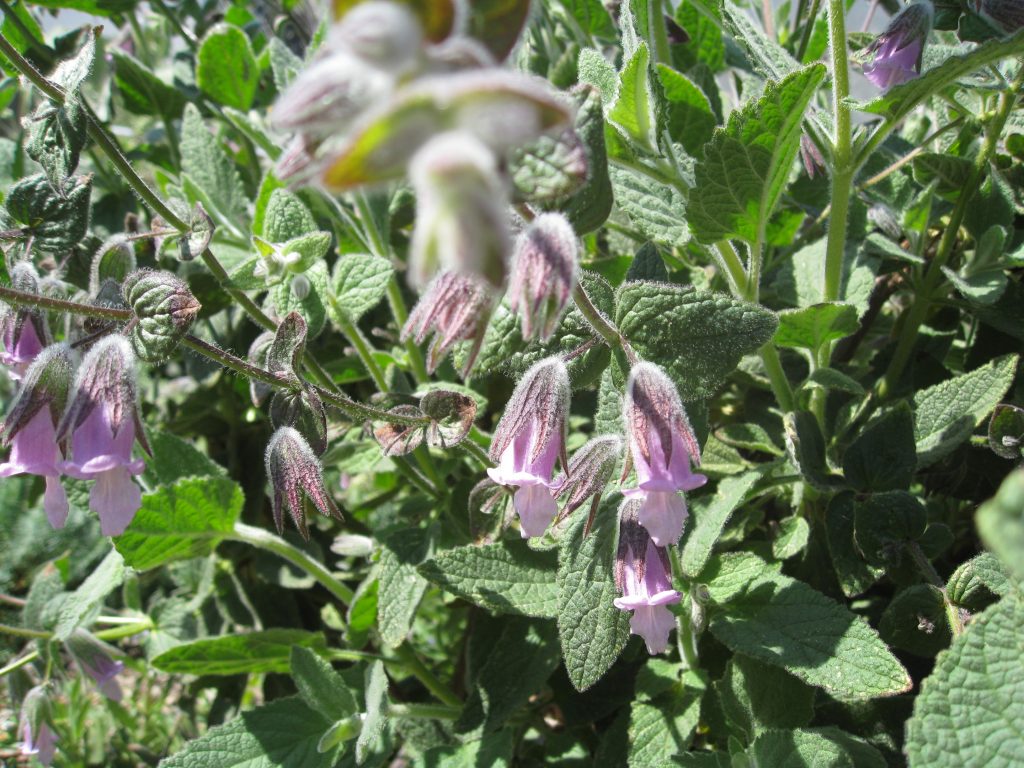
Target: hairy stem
(842, 155)
(601, 324)
(408, 658)
(18, 298)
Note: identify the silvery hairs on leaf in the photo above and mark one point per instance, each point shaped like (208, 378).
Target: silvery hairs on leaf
(46, 384)
(652, 408)
(540, 401)
(461, 211)
(105, 379)
(454, 308)
(295, 473)
(545, 269)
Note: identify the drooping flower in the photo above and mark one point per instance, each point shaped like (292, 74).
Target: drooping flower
(663, 447)
(590, 469)
(23, 331)
(102, 420)
(544, 272)
(529, 439)
(295, 473)
(37, 737)
(642, 574)
(97, 661)
(461, 211)
(453, 308)
(30, 427)
(895, 55)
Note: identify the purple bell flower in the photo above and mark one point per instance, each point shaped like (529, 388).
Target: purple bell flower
(529, 439)
(544, 273)
(30, 427)
(896, 53)
(642, 574)
(23, 332)
(96, 660)
(103, 422)
(37, 737)
(663, 447)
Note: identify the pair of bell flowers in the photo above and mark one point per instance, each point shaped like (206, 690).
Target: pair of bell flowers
(530, 439)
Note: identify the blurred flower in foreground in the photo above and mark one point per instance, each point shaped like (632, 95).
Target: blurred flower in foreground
(37, 737)
(295, 473)
(544, 272)
(662, 446)
(642, 575)
(30, 427)
(455, 307)
(96, 659)
(529, 439)
(102, 419)
(895, 55)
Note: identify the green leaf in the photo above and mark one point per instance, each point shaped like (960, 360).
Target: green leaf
(805, 446)
(1001, 524)
(784, 622)
(746, 164)
(811, 327)
(57, 222)
(975, 582)
(951, 173)
(284, 65)
(819, 747)
(507, 577)
(207, 166)
(756, 696)
(595, 71)
(656, 209)
(946, 414)
(252, 652)
(549, 169)
(518, 663)
(791, 538)
(697, 336)
(769, 58)
(709, 516)
(799, 278)
(401, 586)
(970, 709)
(180, 521)
(107, 577)
(633, 108)
(752, 437)
(830, 378)
(174, 458)
(884, 523)
(226, 69)
(281, 734)
(883, 457)
(662, 726)
(897, 102)
(142, 91)
(284, 215)
(376, 703)
(494, 751)
(589, 207)
(321, 687)
(591, 629)
(689, 117)
(311, 306)
(854, 574)
(358, 283)
(915, 621)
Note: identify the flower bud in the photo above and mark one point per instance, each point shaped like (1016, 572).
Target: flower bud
(590, 470)
(96, 659)
(643, 575)
(529, 439)
(258, 391)
(35, 727)
(23, 331)
(662, 446)
(30, 426)
(102, 421)
(165, 309)
(114, 260)
(295, 473)
(453, 308)
(382, 33)
(544, 272)
(461, 211)
(895, 55)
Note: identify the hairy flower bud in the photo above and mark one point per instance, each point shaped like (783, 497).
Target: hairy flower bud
(895, 55)
(643, 575)
(1007, 15)
(37, 736)
(165, 309)
(383, 33)
(96, 659)
(102, 420)
(590, 470)
(461, 211)
(453, 308)
(31, 427)
(529, 439)
(295, 473)
(258, 391)
(662, 446)
(544, 272)
(23, 331)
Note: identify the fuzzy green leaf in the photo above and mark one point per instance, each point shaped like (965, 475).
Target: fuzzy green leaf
(401, 586)
(266, 651)
(208, 167)
(226, 69)
(321, 687)
(657, 210)
(810, 327)
(710, 514)
(358, 283)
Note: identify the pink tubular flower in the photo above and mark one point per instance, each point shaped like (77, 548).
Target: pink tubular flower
(29, 427)
(642, 574)
(455, 307)
(103, 422)
(896, 53)
(663, 447)
(529, 439)
(37, 738)
(96, 660)
(23, 332)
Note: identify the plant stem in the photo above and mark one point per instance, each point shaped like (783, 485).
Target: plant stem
(269, 542)
(734, 269)
(805, 38)
(408, 658)
(235, 363)
(656, 32)
(597, 320)
(33, 634)
(933, 274)
(126, 630)
(777, 377)
(18, 298)
(188, 37)
(401, 315)
(28, 658)
(956, 626)
(363, 350)
(842, 155)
